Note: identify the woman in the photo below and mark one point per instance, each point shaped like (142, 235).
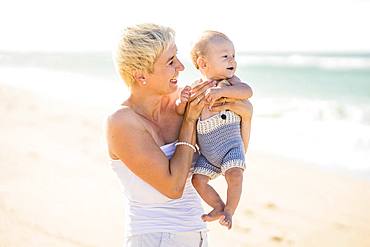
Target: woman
(152, 147)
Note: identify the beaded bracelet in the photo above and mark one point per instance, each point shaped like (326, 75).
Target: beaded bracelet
(195, 148)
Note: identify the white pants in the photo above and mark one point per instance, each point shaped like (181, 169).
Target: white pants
(165, 239)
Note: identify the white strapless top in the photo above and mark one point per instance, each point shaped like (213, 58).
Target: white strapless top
(148, 210)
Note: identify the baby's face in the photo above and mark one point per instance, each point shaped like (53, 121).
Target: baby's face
(221, 62)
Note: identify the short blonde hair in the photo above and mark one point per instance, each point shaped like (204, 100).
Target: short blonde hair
(139, 48)
(200, 47)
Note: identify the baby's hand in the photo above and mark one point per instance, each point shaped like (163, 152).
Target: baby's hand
(212, 95)
(185, 94)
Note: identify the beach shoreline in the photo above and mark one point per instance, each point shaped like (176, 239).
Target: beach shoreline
(57, 189)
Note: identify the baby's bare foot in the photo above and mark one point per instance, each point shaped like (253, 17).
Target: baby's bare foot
(215, 214)
(226, 219)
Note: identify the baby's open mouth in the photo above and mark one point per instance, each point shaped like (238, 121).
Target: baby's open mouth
(230, 68)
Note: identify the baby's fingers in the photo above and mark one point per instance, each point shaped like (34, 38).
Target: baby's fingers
(187, 89)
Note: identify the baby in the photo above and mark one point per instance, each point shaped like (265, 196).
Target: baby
(218, 133)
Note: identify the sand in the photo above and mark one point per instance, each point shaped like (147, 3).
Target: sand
(57, 188)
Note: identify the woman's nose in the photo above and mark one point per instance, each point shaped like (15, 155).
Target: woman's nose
(180, 66)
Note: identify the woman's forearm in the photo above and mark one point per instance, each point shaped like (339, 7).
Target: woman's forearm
(246, 131)
(181, 162)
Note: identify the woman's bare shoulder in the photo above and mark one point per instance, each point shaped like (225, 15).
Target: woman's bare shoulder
(124, 117)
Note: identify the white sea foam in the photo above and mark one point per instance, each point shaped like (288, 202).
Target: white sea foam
(299, 60)
(313, 131)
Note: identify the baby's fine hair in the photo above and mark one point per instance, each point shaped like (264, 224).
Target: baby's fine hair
(139, 48)
(200, 48)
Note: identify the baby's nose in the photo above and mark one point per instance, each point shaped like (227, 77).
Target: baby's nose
(232, 61)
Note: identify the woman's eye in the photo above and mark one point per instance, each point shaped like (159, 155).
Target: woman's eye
(171, 62)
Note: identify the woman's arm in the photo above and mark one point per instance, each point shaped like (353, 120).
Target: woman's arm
(131, 142)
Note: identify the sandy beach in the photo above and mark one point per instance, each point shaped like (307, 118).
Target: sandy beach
(57, 188)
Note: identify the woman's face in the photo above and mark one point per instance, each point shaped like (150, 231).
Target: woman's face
(166, 70)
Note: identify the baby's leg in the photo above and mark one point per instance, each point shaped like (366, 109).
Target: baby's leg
(234, 179)
(210, 196)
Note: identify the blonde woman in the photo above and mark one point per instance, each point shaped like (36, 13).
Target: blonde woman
(152, 147)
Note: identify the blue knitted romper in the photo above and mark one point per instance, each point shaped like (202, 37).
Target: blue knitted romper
(220, 143)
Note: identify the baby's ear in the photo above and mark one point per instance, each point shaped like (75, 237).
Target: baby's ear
(201, 62)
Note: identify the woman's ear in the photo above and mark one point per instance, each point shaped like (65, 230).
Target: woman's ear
(201, 62)
(140, 78)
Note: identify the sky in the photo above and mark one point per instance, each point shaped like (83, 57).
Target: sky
(253, 25)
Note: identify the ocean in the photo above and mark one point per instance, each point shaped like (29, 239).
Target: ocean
(312, 107)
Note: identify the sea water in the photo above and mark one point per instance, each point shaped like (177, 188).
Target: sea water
(313, 107)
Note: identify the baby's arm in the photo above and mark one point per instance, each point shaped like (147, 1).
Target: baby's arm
(236, 90)
(183, 100)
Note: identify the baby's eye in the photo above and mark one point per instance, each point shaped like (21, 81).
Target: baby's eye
(225, 56)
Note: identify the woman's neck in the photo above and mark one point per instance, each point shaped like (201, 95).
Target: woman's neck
(148, 105)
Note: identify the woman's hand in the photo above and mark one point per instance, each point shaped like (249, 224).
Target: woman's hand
(213, 94)
(197, 100)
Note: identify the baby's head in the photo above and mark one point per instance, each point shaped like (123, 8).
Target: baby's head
(214, 55)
